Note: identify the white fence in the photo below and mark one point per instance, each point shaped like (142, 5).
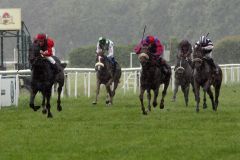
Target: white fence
(76, 77)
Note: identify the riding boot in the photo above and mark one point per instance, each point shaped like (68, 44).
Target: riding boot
(212, 64)
(114, 64)
(163, 66)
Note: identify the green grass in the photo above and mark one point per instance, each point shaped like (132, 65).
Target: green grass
(83, 131)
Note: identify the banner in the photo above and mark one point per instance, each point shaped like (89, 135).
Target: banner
(10, 19)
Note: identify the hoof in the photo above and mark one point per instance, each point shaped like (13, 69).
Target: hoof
(59, 108)
(49, 115)
(144, 113)
(154, 104)
(149, 109)
(205, 106)
(44, 111)
(35, 108)
(94, 103)
(173, 100)
(197, 110)
(161, 106)
(109, 104)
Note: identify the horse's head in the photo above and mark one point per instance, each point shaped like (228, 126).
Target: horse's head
(41, 67)
(100, 64)
(145, 56)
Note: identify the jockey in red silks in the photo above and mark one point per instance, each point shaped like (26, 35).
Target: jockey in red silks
(46, 45)
(154, 47)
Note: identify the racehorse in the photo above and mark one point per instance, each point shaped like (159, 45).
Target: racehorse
(105, 75)
(183, 78)
(205, 77)
(42, 79)
(151, 78)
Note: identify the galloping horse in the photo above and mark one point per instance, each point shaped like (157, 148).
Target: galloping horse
(151, 78)
(42, 79)
(105, 76)
(205, 77)
(183, 78)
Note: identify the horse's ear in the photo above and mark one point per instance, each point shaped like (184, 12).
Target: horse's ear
(64, 65)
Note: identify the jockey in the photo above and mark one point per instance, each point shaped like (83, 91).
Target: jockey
(155, 48)
(185, 49)
(47, 50)
(106, 45)
(207, 47)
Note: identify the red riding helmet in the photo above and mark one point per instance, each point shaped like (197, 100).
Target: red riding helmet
(150, 39)
(41, 36)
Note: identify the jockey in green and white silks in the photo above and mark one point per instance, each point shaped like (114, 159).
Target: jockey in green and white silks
(106, 45)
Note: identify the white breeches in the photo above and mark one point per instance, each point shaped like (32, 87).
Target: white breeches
(50, 59)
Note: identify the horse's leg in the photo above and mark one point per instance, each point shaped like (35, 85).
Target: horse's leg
(48, 97)
(32, 98)
(204, 100)
(197, 95)
(149, 99)
(175, 92)
(217, 92)
(164, 92)
(209, 91)
(185, 90)
(156, 91)
(97, 92)
(59, 107)
(108, 88)
(141, 100)
(44, 111)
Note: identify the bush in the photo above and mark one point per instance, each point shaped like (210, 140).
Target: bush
(227, 50)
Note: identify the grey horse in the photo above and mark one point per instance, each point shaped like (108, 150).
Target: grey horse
(183, 78)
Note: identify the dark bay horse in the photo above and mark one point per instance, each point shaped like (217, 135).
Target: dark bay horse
(183, 77)
(105, 76)
(151, 78)
(42, 79)
(205, 77)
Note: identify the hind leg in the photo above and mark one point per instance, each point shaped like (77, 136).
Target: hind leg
(217, 92)
(141, 100)
(197, 95)
(204, 100)
(48, 96)
(97, 93)
(164, 92)
(209, 91)
(175, 92)
(109, 92)
(149, 99)
(186, 92)
(59, 107)
(155, 97)
(44, 110)
(32, 98)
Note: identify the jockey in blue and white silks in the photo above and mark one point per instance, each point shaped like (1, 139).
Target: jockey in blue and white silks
(207, 47)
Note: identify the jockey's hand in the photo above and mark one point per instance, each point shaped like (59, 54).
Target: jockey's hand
(44, 53)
